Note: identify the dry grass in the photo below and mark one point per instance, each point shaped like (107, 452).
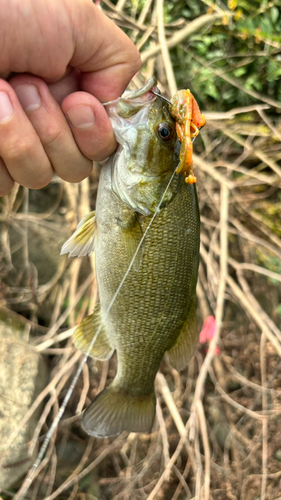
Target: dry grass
(217, 433)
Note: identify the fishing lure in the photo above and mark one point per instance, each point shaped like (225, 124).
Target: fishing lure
(189, 121)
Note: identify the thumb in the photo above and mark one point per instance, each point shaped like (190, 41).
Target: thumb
(104, 54)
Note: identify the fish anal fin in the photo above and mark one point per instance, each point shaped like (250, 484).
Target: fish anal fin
(183, 348)
(84, 333)
(114, 411)
(82, 242)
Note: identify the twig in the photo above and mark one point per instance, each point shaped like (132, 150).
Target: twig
(141, 20)
(253, 414)
(269, 123)
(68, 310)
(163, 387)
(257, 306)
(244, 233)
(169, 466)
(54, 340)
(244, 380)
(86, 385)
(229, 115)
(52, 476)
(255, 268)
(164, 49)
(144, 11)
(182, 480)
(120, 5)
(254, 150)
(145, 37)
(102, 455)
(253, 313)
(164, 436)
(187, 31)
(206, 167)
(265, 421)
(220, 301)
(53, 399)
(206, 446)
(74, 274)
(199, 468)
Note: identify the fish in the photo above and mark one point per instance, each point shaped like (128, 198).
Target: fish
(155, 311)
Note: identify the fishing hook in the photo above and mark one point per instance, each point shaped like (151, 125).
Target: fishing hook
(161, 97)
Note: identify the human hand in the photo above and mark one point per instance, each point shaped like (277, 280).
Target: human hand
(54, 121)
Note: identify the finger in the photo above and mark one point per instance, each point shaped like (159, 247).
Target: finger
(90, 125)
(106, 56)
(52, 128)
(6, 181)
(20, 147)
(67, 85)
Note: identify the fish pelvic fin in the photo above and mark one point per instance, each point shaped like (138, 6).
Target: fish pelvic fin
(84, 333)
(82, 242)
(114, 411)
(183, 348)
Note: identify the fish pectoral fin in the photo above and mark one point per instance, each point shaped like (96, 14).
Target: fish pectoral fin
(183, 348)
(132, 240)
(82, 242)
(84, 333)
(114, 411)
(132, 235)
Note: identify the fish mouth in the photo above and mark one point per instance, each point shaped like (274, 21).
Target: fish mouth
(133, 101)
(149, 87)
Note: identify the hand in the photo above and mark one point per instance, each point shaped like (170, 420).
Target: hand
(54, 121)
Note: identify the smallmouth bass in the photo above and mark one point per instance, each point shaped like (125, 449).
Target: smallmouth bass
(155, 311)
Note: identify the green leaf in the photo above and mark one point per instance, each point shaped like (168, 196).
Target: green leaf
(273, 70)
(240, 71)
(274, 14)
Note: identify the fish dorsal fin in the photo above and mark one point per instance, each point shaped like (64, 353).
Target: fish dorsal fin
(84, 333)
(82, 241)
(183, 348)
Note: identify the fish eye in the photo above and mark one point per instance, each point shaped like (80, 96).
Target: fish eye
(165, 132)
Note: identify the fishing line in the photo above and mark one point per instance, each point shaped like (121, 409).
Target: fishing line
(30, 477)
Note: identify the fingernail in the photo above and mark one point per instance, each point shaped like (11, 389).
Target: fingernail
(6, 108)
(81, 116)
(28, 96)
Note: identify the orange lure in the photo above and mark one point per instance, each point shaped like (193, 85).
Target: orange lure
(189, 120)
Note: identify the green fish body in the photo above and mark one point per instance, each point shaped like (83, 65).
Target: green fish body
(155, 311)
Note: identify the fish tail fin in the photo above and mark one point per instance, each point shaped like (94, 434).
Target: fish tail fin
(114, 411)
